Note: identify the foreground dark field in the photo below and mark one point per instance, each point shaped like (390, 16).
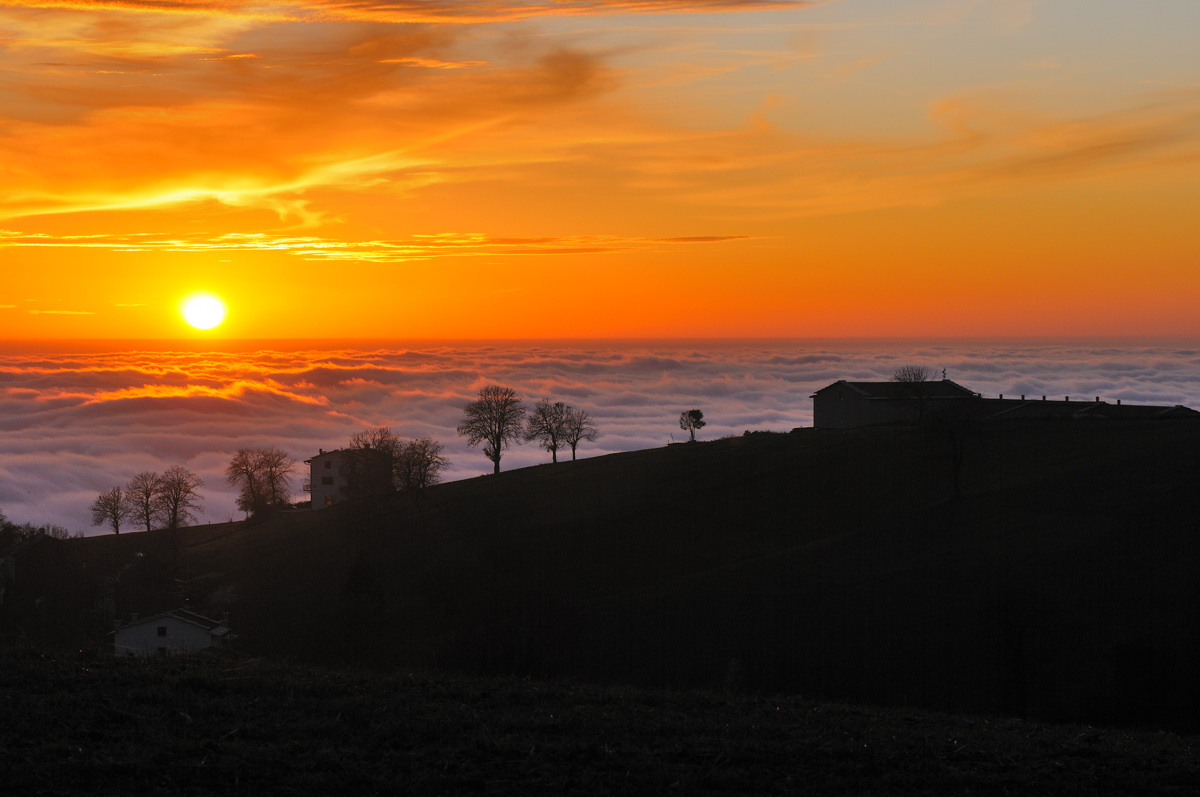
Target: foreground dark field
(98, 725)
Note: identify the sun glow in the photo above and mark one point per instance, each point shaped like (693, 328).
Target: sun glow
(203, 310)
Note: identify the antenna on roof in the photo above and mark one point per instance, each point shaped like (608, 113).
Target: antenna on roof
(943, 374)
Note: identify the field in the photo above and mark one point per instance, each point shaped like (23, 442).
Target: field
(1060, 585)
(88, 724)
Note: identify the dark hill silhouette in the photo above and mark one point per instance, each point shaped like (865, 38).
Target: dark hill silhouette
(824, 563)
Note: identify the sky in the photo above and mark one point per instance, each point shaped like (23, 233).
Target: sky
(76, 420)
(432, 170)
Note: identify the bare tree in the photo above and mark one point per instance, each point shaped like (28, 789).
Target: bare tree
(381, 438)
(420, 464)
(142, 495)
(370, 463)
(915, 379)
(494, 419)
(111, 507)
(242, 472)
(177, 498)
(690, 421)
(262, 476)
(277, 467)
(548, 424)
(579, 428)
(912, 374)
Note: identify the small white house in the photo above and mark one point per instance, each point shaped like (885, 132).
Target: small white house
(168, 634)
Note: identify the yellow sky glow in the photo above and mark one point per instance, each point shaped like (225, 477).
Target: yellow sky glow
(439, 169)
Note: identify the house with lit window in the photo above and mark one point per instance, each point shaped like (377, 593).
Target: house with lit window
(169, 634)
(336, 476)
(326, 483)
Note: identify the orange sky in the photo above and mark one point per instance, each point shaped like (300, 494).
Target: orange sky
(579, 169)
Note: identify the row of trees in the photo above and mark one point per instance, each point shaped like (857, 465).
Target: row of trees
(498, 418)
(16, 533)
(167, 500)
(413, 464)
(262, 477)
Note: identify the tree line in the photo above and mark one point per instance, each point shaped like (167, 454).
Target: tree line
(150, 500)
(376, 460)
(498, 417)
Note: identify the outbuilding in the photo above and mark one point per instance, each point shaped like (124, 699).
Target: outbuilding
(169, 634)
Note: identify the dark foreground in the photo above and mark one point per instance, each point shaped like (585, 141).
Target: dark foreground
(96, 725)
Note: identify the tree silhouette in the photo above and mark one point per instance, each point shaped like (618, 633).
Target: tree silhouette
(370, 461)
(915, 379)
(579, 428)
(111, 507)
(690, 421)
(912, 374)
(142, 495)
(494, 419)
(262, 476)
(411, 464)
(548, 424)
(420, 464)
(177, 498)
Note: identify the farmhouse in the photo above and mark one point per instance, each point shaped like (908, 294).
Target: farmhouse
(335, 476)
(169, 634)
(845, 405)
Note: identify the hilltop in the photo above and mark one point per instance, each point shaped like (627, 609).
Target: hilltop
(833, 564)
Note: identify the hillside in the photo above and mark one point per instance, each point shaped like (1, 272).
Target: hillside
(833, 564)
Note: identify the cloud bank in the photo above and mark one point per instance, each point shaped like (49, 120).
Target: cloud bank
(75, 422)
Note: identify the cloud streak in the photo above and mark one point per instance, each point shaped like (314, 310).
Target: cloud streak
(419, 247)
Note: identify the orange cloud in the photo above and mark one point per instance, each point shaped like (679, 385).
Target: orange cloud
(420, 247)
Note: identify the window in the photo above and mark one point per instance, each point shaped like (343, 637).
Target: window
(328, 464)
(162, 630)
(326, 480)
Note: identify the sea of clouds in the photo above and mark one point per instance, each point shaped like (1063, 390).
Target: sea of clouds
(76, 420)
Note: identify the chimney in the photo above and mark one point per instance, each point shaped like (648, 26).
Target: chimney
(1118, 402)
(1097, 399)
(1002, 396)
(1022, 397)
(1067, 398)
(1043, 398)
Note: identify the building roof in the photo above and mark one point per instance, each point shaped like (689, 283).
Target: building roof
(941, 388)
(1084, 409)
(215, 627)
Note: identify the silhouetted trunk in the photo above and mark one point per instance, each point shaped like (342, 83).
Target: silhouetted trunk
(554, 455)
(496, 464)
(573, 452)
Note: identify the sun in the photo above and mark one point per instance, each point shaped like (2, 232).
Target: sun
(203, 310)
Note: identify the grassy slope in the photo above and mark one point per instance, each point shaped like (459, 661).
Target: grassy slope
(99, 725)
(822, 563)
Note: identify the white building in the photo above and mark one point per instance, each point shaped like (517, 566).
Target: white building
(327, 483)
(334, 476)
(169, 634)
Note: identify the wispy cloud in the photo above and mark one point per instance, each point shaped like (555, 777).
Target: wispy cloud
(419, 247)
